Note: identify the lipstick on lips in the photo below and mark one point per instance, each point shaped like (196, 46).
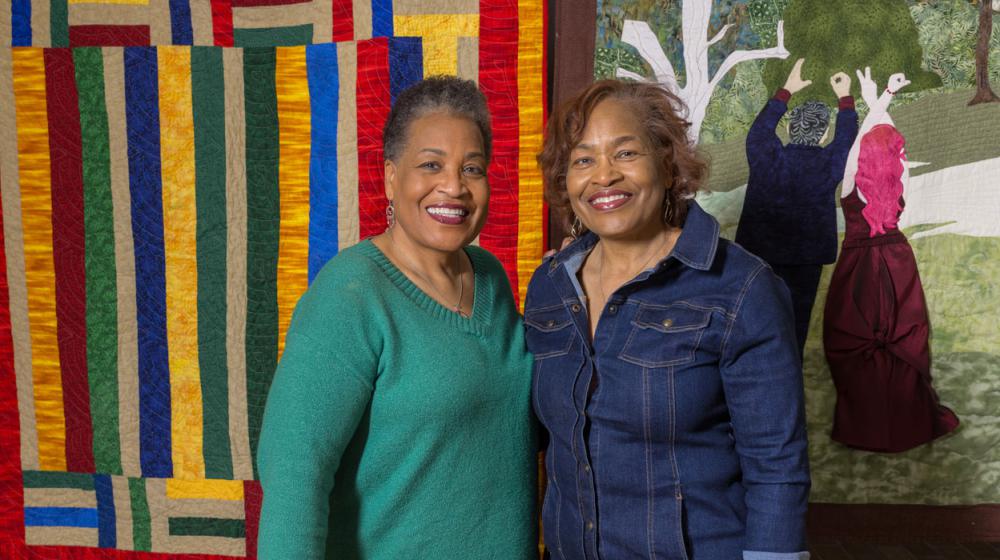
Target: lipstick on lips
(448, 214)
(608, 199)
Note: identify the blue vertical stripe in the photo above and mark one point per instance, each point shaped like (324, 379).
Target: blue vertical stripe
(180, 22)
(406, 64)
(142, 116)
(107, 537)
(60, 517)
(324, 93)
(382, 18)
(20, 22)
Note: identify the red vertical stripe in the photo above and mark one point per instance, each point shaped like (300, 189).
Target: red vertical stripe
(222, 22)
(373, 109)
(343, 20)
(68, 254)
(11, 493)
(252, 496)
(498, 79)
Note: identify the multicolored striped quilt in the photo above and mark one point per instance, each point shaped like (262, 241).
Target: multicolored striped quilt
(173, 174)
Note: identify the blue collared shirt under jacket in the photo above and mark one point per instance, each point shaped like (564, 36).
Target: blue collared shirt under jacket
(679, 432)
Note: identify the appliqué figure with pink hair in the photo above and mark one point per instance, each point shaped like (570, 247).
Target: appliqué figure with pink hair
(876, 327)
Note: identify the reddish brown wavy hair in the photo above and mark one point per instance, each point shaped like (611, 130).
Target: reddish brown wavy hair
(683, 167)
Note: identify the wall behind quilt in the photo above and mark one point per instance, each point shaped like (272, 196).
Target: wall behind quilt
(164, 207)
(951, 214)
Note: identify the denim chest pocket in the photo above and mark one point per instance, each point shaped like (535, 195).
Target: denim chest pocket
(665, 335)
(549, 331)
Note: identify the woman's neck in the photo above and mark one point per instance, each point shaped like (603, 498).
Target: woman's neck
(628, 257)
(441, 268)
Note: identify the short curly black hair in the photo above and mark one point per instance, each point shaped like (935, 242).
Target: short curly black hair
(447, 94)
(808, 122)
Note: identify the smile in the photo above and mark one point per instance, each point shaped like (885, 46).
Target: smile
(608, 200)
(448, 215)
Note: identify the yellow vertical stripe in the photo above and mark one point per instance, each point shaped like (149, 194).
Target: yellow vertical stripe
(530, 53)
(13, 237)
(440, 33)
(36, 207)
(179, 227)
(293, 174)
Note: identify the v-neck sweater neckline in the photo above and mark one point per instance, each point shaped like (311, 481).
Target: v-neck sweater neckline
(482, 298)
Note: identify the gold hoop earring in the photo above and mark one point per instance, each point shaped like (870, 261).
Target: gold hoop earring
(390, 216)
(577, 228)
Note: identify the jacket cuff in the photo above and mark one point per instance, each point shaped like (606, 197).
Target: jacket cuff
(846, 102)
(782, 95)
(755, 555)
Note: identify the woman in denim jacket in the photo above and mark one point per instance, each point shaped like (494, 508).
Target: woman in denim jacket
(666, 368)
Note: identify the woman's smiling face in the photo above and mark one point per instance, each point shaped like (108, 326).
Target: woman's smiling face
(614, 181)
(438, 183)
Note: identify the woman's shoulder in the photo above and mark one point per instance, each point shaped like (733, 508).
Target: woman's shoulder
(356, 260)
(488, 263)
(353, 271)
(739, 266)
(484, 257)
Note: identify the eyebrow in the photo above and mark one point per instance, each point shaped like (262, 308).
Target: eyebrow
(442, 153)
(615, 143)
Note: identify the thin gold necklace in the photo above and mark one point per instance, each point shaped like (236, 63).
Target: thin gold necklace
(600, 270)
(461, 281)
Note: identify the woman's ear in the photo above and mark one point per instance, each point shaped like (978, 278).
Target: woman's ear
(390, 179)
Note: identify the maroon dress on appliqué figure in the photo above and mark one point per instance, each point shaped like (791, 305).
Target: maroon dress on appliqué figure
(875, 334)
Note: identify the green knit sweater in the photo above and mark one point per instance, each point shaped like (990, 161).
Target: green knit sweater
(396, 428)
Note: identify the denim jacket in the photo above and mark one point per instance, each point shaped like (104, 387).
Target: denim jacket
(679, 432)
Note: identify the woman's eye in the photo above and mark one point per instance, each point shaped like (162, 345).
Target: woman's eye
(474, 170)
(627, 154)
(430, 165)
(578, 162)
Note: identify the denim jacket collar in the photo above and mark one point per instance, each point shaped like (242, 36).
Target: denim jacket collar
(695, 247)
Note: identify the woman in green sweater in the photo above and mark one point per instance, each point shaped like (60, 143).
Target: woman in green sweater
(399, 421)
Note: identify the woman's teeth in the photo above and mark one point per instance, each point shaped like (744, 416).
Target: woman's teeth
(608, 199)
(448, 212)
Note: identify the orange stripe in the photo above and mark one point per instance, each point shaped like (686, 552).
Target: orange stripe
(293, 173)
(530, 85)
(36, 208)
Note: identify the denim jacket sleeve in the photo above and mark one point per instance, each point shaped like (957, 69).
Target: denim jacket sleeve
(762, 379)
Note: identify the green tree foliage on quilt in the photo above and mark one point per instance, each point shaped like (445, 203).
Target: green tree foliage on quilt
(844, 36)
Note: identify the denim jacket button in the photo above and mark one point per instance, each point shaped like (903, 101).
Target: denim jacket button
(550, 323)
(575, 308)
(668, 323)
(612, 309)
(590, 525)
(586, 468)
